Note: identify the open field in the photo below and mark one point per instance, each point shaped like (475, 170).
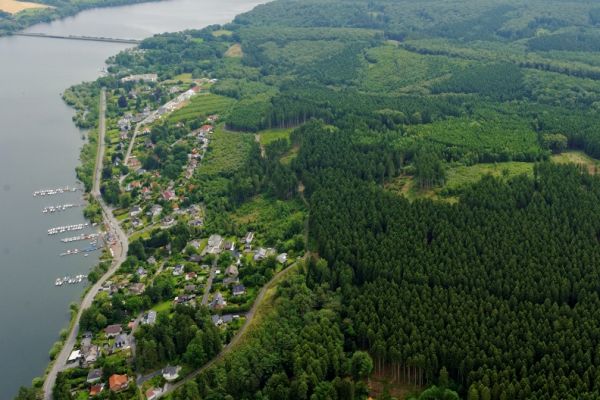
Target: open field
(228, 151)
(458, 177)
(578, 158)
(13, 7)
(271, 135)
(234, 51)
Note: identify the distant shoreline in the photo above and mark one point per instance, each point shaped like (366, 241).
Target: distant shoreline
(13, 23)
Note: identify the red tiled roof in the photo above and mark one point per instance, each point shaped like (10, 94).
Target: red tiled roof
(117, 382)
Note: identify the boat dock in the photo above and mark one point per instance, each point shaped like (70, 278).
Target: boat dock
(67, 228)
(59, 208)
(79, 238)
(68, 280)
(52, 192)
(85, 250)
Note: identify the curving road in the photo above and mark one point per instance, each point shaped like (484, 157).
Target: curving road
(119, 250)
(238, 336)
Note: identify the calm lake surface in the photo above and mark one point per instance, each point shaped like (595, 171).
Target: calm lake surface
(39, 148)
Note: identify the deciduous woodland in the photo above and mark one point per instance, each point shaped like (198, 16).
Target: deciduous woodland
(422, 150)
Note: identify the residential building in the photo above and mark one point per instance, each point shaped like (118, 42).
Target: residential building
(118, 382)
(113, 330)
(94, 376)
(239, 290)
(171, 373)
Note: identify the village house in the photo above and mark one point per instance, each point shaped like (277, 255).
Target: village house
(191, 276)
(153, 393)
(137, 288)
(156, 210)
(90, 355)
(231, 281)
(260, 254)
(121, 342)
(113, 330)
(150, 318)
(218, 301)
(94, 376)
(232, 271)
(239, 290)
(151, 260)
(219, 320)
(282, 258)
(229, 246)
(189, 288)
(169, 195)
(184, 299)
(215, 244)
(141, 272)
(96, 390)
(171, 373)
(178, 270)
(118, 382)
(135, 211)
(248, 240)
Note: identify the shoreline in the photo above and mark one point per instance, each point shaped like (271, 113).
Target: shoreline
(25, 19)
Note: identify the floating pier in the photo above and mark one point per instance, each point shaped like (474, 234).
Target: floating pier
(79, 238)
(52, 192)
(67, 228)
(69, 280)
(59, 208)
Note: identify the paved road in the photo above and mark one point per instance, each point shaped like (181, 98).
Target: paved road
(209, 281)
(119, 254)
(238, 336)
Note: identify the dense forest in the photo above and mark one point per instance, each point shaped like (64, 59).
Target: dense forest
(478, 286)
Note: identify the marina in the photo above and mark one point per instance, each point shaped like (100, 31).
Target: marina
(68, 280)
(59, 208)
(52, 192)
(67, 228)
(79, 238)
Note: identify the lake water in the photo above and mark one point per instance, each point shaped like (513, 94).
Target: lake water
(39, 148)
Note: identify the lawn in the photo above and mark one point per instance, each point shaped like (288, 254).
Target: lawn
(266, 137)
(578, 158)
(161, 307)
(202, 106)
(185, 78)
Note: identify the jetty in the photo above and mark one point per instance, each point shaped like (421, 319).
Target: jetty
(59, 208)
(69, 280)
(77, 37)
(51, 192)
(67, 228)
(79, 238)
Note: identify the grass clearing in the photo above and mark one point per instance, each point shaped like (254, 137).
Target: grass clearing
(185, 78)
(579, 158)
(222, 32)
(235, 51)
(201, 106)
(162, 307)
(266, 137)
(227, 152)
(13, 6)
(457, 178)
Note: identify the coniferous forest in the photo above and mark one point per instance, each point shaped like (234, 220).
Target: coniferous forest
(446, 154)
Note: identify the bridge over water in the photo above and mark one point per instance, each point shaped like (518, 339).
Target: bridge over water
(75, 37)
